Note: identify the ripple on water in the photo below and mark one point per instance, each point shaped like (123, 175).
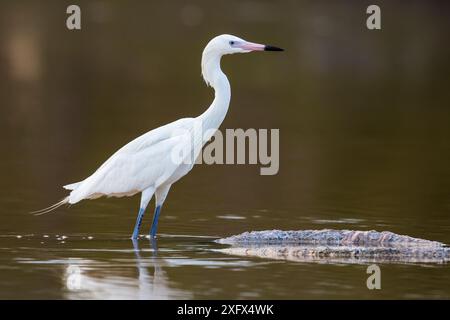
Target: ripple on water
(337, 221)
(231, 217)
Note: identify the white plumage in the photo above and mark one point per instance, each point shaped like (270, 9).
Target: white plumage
(146, 165)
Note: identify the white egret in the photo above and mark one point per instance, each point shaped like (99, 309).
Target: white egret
(146, 164)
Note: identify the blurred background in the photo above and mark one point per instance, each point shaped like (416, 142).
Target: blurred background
(363, 115)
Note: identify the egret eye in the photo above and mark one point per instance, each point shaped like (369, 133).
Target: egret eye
(231, 42)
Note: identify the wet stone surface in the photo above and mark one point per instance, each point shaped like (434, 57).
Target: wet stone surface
(336, 246)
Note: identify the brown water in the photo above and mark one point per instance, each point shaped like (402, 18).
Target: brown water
(364, 144)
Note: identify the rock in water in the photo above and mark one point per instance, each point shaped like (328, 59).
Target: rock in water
(336, 246)
(327, 236)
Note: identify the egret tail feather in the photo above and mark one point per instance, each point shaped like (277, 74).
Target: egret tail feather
(51, 208)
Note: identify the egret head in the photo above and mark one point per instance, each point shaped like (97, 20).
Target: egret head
(227, 44)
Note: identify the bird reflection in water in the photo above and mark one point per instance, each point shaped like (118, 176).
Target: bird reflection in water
(95, 280)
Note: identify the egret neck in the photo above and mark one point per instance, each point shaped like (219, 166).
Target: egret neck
(213, 75)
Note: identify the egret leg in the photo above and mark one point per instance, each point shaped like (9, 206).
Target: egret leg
(137, 226)
(146, 196)
(155, 222)
(160, 195)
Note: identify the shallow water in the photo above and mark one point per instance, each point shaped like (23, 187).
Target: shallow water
(109, 266)
(364, 144)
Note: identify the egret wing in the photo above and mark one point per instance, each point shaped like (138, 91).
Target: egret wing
(137, 165)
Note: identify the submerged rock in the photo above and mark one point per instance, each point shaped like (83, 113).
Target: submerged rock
(336, 246)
